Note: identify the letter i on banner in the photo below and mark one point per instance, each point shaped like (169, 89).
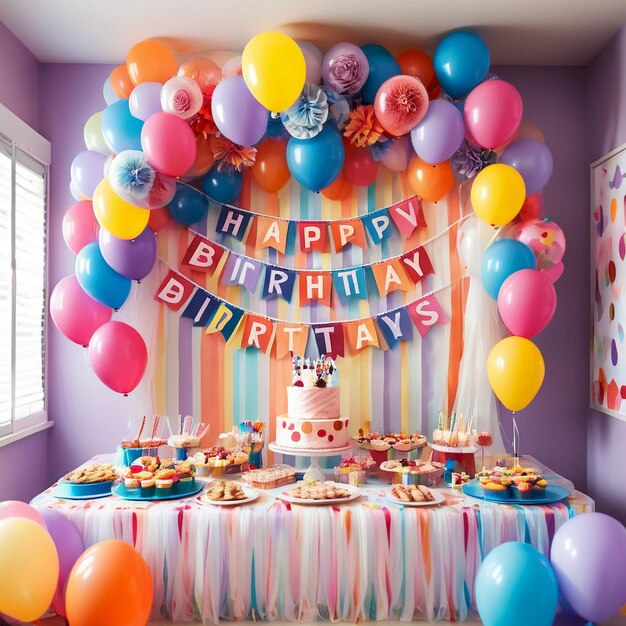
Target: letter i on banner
(258, 332)
(203, 255)
(174, 290)
(425, 313)
(329, 339)
(225, 321)
(362, 334)
(200, 308)
(241, 271)
(395, 326)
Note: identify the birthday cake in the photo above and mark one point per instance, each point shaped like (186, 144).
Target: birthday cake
(313, 420)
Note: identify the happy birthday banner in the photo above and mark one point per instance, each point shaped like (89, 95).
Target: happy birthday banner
(315, 235)
(260, 332)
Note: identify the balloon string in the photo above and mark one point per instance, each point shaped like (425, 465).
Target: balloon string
(515, 440)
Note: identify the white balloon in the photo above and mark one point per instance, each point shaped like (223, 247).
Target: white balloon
(313, 59)
(473, 238)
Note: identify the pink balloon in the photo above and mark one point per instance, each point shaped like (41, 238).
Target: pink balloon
(554, 272)
(15, 508)
(80, 226)
(398, 156)
(169, 144)
(545, 238)
(493, 113)
(118, 356)
(76, 314)
(526, 302)
(359, 166)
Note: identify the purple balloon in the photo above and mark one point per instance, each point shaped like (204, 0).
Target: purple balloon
(440, 133)
(69, 545)
(145, 100)
(237, 114)
(588, 556)
(532, 159)
(133, 258)
(87, 171)
(345, 68)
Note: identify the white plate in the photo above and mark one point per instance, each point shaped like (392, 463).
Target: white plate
(355, 492)
(251, 496)
(439, 498)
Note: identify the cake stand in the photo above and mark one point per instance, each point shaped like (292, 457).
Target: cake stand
(314, 472)
(465, 456)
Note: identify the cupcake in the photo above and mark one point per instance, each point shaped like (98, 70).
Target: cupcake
(147, 487)
(524, 489)
(163, 487)
(131, 483)
(542, 483)
(491, 486)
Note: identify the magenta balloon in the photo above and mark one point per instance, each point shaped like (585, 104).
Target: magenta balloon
(118, 356)
(440, 133)
(74, 313)
(133, 258)
(398, 156)
(238, 115)
(493, 112)
(588, 555)
(87, 171)
(554, 272)
(532, 159)
(80, 226)
(526, 302)
(69, 545)
(345, 68)
(17, 508)
(169, 144)
(145, 100)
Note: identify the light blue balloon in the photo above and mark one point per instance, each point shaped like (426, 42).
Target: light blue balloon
(222, 186)
(382, 66)
(99, 280)
(461, 62)
(121, 130)
(107, 91)
(503, 258)
(316, 162)
(515, 586)
(188, 206)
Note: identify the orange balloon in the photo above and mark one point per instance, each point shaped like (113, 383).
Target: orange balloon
(417, 63)
(339, 189)
(159, 218)
(121, 83)
(150, 61)
(270, 171)
(204, 158)
(109, 584)
(204, 72)
(430, 182)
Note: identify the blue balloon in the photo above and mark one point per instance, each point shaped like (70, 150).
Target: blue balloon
(222, 186)
(121, 130)
(503, 258)
(188, 206)
(382, 67)
(99, 280)
(316, 162)
(515, 586)
(461, 62)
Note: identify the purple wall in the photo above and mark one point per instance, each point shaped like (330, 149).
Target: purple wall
(19, 91)
(554, 427)
(606, 123)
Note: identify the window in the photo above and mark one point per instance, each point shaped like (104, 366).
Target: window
(24, 163)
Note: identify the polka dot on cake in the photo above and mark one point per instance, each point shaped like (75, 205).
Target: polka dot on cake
(331, 438)
(306, 428)
(291, 426)
(321, 433)
(284, 424)
(338, 425)
(295, 436)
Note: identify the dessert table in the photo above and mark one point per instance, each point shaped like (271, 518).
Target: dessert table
(369, 559)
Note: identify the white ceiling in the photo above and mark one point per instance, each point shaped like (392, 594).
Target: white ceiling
(543, 32)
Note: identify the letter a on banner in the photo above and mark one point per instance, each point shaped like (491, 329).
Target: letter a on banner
(361, 334)
(271, 233)
(174, 290)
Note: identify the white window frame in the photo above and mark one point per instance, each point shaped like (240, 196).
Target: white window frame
(21, 136)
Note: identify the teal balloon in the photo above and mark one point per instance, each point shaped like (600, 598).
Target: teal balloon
(188, 206)
(461, 62)
(316, 162)
(120, 129)
(382, 66)
(98, 279)
(516, 586)
(222, 186)
(503, 258)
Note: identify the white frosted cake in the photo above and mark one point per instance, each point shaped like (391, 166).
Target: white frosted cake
(313, 420)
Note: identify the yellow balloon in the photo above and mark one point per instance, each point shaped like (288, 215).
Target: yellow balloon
(515, 369)
(30, 569)
(274, 69)
(498, 193)
(92, 133)
(120, 218)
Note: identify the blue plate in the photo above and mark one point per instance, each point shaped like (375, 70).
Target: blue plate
(82, 491)
(549, 495)
(135, 494)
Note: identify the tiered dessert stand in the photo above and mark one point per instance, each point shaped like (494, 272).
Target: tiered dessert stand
(314, 472)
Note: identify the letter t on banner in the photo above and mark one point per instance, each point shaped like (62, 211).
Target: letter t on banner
(329, 339)
(174, 290)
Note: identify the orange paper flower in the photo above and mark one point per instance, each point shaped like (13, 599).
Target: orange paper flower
(363, 128)
(202, 123)
(229, 154)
